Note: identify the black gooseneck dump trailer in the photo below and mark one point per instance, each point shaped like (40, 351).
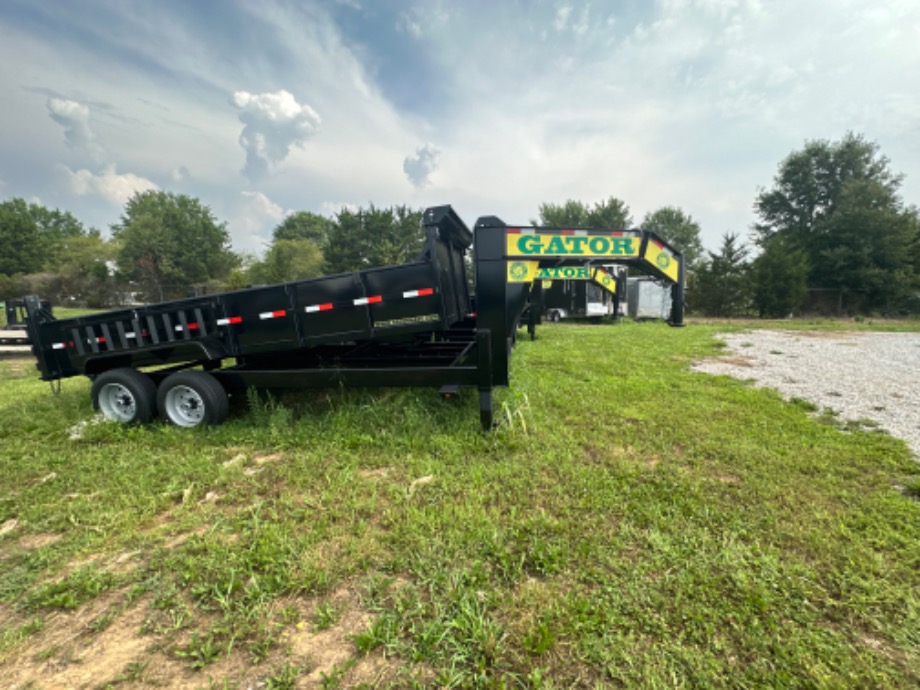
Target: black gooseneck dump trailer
(405, 325)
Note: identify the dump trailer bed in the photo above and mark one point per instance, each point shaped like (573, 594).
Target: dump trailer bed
(389, 303)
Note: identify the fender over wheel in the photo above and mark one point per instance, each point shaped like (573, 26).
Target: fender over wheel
(125, 395)
(192, 398)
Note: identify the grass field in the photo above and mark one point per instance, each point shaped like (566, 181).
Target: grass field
(631, 524)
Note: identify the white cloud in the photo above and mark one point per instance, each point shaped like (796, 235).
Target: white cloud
(254, 217)
(274, 122)
(419, 168)
(74, 118)
(110, 185)
(562, 17)
(410, 25)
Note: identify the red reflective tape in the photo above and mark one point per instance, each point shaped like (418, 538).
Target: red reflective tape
(418, 293)
(318, 307)
(514, 231)
(193, 326)
(566, 232)
(658, 244)
(100, 339)
(368, 300)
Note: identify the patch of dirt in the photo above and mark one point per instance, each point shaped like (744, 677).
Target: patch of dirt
(67, 653)
(263, 459)
(31, 542)
(377, 473)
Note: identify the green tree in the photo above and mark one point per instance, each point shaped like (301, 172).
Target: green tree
(679, 229)
(371, 237)
(780, 278)
(171, 242)
(304, 225)
(288, 260)
(838, 202)
(722, 285)
(610, 213)
(87, 276)
(870, 259)
(32, 236)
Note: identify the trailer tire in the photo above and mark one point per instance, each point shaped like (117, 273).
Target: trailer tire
(554, 316)
(125, 395)
(192, 398)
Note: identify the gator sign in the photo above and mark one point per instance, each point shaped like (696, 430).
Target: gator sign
(527, 243)
(529, 271)
(570, 243)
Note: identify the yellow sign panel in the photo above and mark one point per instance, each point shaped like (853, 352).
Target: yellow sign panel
(522, 271)
(659, 256)
(619, 245)
(605, 280)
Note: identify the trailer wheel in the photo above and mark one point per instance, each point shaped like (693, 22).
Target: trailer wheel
(192, 398)
(125, 395)
(554, 316)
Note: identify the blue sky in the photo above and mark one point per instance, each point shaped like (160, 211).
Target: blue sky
(264, 108)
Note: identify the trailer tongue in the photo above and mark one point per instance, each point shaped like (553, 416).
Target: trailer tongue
(405, 325)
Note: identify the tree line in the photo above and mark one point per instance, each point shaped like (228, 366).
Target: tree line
(832, 230)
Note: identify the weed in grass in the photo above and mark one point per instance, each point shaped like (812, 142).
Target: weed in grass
(325, 616)
(539, 639)
(200, 651)
(11, 637)
(334, 677)
(283, 678)
(80, 586)
(131, 673)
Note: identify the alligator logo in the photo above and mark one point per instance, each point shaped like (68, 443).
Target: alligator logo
(663, 261)
(518, 270)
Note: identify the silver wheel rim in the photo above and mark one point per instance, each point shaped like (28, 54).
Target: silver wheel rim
(117, 402)
(184, 406)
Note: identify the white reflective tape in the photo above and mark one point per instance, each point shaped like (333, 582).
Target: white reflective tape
(267, 315)
(312, 308)
(362, 301)
(410, 293)
(131, 335)
(581, 233)
(59, 346)
(179, 328)
(223, 322)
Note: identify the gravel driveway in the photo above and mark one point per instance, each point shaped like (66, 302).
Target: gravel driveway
(859, 375)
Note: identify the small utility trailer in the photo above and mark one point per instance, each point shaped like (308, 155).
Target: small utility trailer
(581, 292)
(406, 325)
(14, 332)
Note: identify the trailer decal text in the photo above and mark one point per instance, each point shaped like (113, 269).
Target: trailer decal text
(561, 244)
